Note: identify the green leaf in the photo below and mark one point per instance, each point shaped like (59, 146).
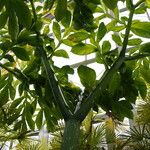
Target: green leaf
(78, 36)
(99, 58)
(116, 38)
(3, 19)
(3, 81)
(4, 96)
(87, 77)
(145, 74)
(57, 30)
(110, 4)
(129, 4)
(50, 125)
(69, 43)
(21, 53)
(23, 13)
(48, 4)
(15, 103)
(131, 93)
(145, 48)
(106, 46)
(148, 3)
(102, 30)
(12, 92)
(61, 9)
(141, 29)
(61, 53)
(46, 30)
(142, 88)
(67, 70)
(13, 26)
(39, 119)
(114, 83)
(135, 41)
(67, 19)
(2, 3)
(141, 10)
(83, 49)
(9, 58)
(33, 106)
(29, 118)
(17, 125)
(122, 109)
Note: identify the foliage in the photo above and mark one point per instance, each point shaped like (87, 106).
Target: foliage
(35, 92)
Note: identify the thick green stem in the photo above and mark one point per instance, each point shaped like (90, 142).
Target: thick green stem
(57, 93)
(53, 83)
(71, 135)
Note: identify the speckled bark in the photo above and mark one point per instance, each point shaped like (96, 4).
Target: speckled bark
(71, 135)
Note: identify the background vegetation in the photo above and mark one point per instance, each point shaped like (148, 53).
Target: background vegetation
(34, 92)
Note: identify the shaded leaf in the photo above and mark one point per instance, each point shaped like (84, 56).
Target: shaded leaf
(21, 53)
(61, 9)
(4, 96)
(2, 3)
(142, 88)
(16, 102)
(12, 92)
(114, 83)
(39, 119)
(29, 118)
(23, 13)
(3, 19)
(67, 19)
(145, 48)
(102, 30)
(13, 26)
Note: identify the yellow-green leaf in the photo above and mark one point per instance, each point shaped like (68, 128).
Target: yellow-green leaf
(61, 53)
(78, 36)
(83, 49)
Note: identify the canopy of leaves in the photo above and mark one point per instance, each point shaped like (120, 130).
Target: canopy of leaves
(34, 92)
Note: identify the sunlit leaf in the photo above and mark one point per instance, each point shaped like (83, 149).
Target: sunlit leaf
(83, 49)
(141, 29)
(61, 53)
(56, 30)
(78, 36)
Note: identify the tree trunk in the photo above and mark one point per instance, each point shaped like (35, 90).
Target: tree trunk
(71, 135)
